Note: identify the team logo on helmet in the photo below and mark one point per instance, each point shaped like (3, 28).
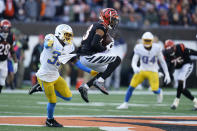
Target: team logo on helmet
(110, 17)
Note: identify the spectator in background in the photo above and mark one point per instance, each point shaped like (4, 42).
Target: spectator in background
(21, 44)
(121, 46)
(151, 16)
(2, 7)
(32, 10)
(50, 10)
(68, 14)
(185, 18)
(20, 11)
(9, 11)
(194, 17)
(162, 5)
(35, 59)
(163, 18)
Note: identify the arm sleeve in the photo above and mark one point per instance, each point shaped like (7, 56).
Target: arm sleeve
(163, 63)
(192, 52)
(96, 43)
(82, 67)
(134, 62)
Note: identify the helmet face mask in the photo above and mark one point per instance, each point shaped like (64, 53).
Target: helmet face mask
(170, 47)
(147, 39)
(5, 26)
(64, 32)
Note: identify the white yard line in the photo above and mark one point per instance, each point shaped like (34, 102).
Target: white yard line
(136, 92)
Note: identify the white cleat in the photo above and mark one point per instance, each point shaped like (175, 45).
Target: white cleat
(195, 104)
(160, 97)
(123, 106)
(175, 104)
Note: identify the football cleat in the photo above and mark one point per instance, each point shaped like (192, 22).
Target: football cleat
(160, 97)
(52, 123)
(100, 86)
(123, 106)
(173, 107)
(175, 104)
(195, 104)
(35, 88)
(84, 93)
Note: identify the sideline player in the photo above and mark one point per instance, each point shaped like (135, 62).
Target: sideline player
(6, 47)
(58, 49)
(149, 54)
(96, 56)
(179, 59)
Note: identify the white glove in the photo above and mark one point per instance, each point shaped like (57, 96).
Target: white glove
(64, 58)
(109, 46)
(167, 79)
(160, 74)
(15, 66)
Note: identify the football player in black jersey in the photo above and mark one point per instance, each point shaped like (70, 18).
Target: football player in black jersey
(6, 47)
(179, 60)
(96, 56)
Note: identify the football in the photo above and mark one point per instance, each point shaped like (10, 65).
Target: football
(106, 39)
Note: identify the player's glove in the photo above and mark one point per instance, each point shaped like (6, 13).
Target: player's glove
(167, 79)
(93, 73)
(109, 46)
(15, 66)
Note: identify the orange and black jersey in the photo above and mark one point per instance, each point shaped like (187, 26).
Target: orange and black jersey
(5, 46)
(88, 47)
(181, 57)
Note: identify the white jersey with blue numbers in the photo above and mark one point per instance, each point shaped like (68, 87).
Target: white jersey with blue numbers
(149, 58)
(49, 58)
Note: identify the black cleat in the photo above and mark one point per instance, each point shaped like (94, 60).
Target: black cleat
(35, 88)
(84, 93)
(194, 109)
(100, 86)
(173, 107)
(52, 123)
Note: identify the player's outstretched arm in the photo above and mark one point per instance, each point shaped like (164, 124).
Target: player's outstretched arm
(193, 54)
(85, 68)
(167, 79)
(134, 63)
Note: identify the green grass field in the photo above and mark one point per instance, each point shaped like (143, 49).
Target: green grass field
(141, 104)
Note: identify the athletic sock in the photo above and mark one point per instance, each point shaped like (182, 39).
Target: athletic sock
(50, 110)
(129, 93)
(179, 89)
(157, 92)
(188, 94)
(1, 87)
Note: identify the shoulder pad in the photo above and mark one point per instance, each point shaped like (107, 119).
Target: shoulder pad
(49, 40)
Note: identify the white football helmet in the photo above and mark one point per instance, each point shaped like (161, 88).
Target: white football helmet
(147, 39)
(64, 32)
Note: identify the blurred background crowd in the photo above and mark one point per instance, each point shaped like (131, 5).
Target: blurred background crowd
(135, 13)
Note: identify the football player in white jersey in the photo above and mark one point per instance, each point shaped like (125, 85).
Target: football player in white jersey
(149, 54)
(58, 49)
